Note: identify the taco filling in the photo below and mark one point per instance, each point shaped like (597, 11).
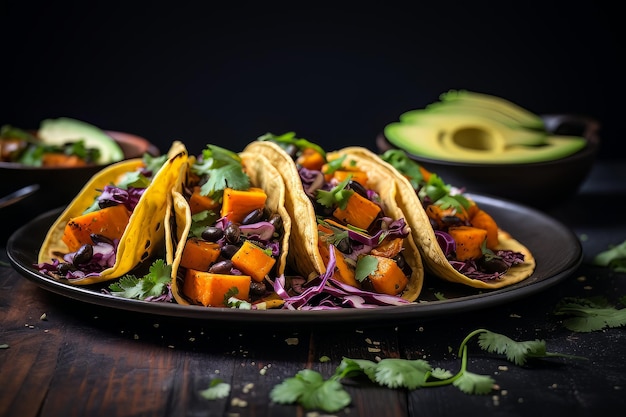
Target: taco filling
(355, 230)
(114, 224)
(228, 232)
(470, 240)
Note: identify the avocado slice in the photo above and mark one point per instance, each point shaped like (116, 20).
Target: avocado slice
(477, 130)
(419, 115)
(64, 129)
(430, 141)
(463, 99)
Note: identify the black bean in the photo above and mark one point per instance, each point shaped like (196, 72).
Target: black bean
(276, 221)
(65, 267)
(227, 251)
(212, 234)
(221, 267)
(95, 238)
(357, 188)
(232, 233)
(400, 261)
(83, 254)
(257, 288)
(253, 217)
(451, 221)
(491, 265)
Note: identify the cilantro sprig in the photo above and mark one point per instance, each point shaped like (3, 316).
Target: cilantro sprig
(337, 196)
(154, 284)
(290, 138)
(312, 391)
(222, 169)
(614, 258)
(435, 189)
(590, 314)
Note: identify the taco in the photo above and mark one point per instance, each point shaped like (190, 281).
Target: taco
(228, 231)
(347, 221)
(115, 223)
(459, 241)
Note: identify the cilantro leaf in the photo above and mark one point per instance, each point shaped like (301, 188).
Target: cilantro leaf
(289, 138)
(402, 373)
(471, 383)
(337, 196)
(153, 284)
(217, 389)
(222, 168)
(365, 266)
(614, 257)
(405, 165)
(201, 220)
(312, 391)
(590, 314)
(515, 352)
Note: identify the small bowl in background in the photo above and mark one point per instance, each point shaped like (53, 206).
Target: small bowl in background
(57, 186)
(539, 184)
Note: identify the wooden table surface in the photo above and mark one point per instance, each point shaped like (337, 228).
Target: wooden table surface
(63, 357)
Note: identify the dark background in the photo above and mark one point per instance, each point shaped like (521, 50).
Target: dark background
(225, 73)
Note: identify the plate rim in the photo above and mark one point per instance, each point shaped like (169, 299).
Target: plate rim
(421, 310)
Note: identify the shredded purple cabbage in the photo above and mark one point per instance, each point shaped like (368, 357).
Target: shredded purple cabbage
(103, 258)
(326, 293)
(112, 195)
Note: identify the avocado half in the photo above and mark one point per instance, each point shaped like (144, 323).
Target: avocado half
(476, 143)
(64, 129)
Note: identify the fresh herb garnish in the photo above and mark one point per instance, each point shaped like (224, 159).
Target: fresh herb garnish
(217, 389)
(614, 258)
(153, 284)
(309, 388)
(365, 266)
(337, 196)
(289, 138)
(590, 314)
(223, 169)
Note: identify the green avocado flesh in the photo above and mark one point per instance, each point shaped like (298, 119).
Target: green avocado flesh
(472, 127)
(426, 141)
(469, 121)
(496, 107)
(64, 130)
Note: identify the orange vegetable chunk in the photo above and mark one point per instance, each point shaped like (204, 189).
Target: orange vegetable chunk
(110, 222)
(253, 260)
(483, 220)
(210, 289)
(388, 277)
(343, 271)
(311, 159)
(199, 202)
(238, 204)
(199, 254)
(355, 174)
(389, 248)
(359, 212)
(469, 241)
(61, 160)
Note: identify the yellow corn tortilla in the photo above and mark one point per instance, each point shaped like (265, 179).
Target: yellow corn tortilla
(304, 254)
(145, 232)
(262, 175)
(424, 235)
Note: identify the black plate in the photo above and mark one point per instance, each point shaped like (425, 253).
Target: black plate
(557, 250)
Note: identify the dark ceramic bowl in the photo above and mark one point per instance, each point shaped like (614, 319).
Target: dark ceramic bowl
(53, 187)
(540, 184)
